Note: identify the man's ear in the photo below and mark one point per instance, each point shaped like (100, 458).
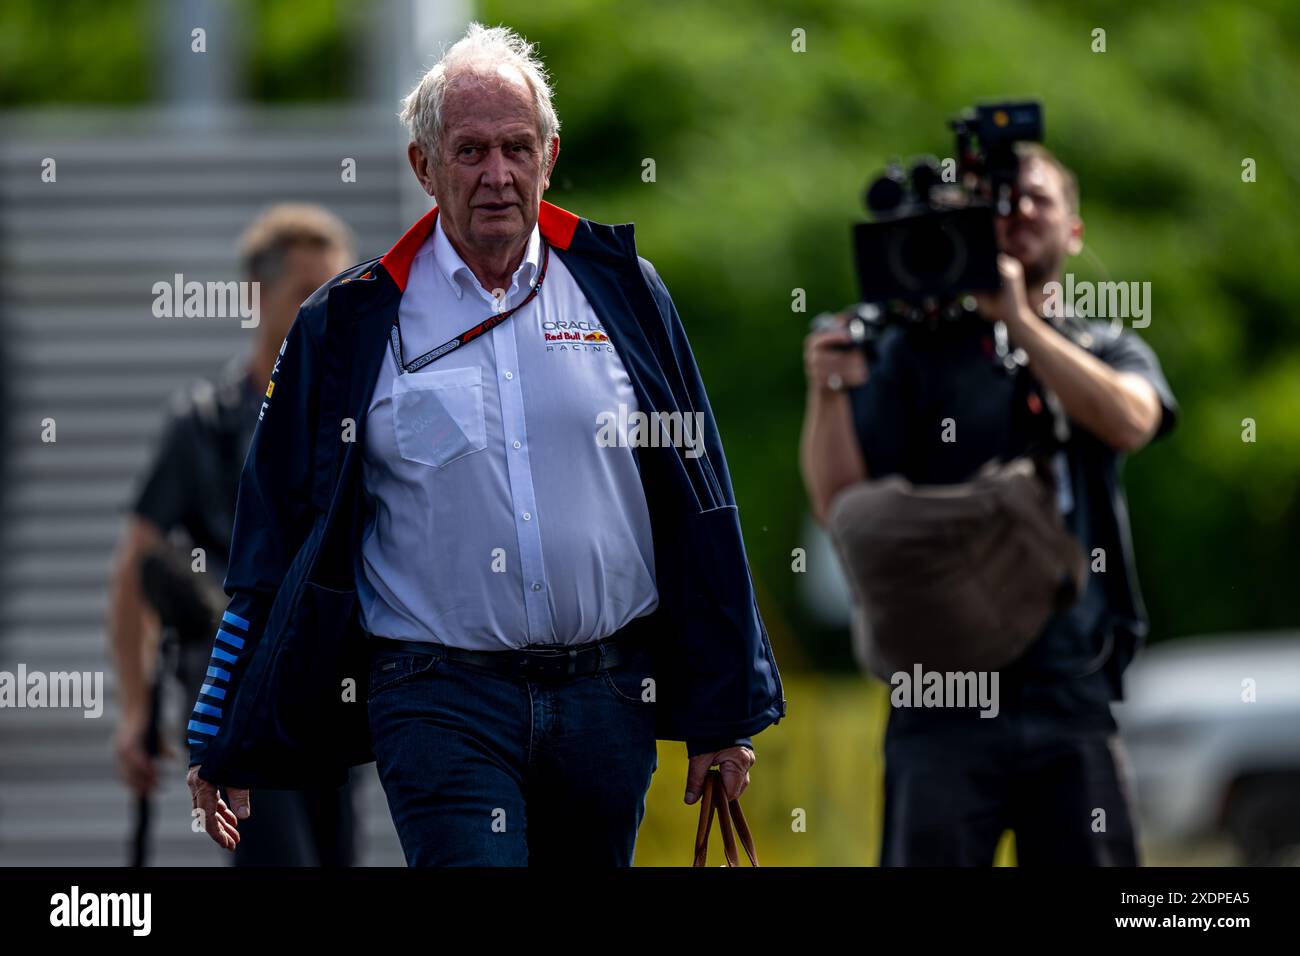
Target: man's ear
(420, 162)
(550, 167)
(1074, 245)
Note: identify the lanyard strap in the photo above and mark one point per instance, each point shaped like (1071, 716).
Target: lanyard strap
(470, 334)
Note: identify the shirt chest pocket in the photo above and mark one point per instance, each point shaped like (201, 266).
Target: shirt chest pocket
(438, 415)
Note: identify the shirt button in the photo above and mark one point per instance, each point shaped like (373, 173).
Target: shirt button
(509, 376)
(517, 445)
(527, 516)
(537, 585)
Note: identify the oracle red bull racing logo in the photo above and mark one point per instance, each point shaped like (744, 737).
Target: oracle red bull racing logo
(575, 336)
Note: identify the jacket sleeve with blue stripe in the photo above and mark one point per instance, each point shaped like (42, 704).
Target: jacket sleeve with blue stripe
(273, 516)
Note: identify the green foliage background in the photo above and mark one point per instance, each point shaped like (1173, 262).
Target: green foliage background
(761, 154)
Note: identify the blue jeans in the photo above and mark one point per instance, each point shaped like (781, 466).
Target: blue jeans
(482, 769)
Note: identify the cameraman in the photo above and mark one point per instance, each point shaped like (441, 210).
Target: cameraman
(1048, 765)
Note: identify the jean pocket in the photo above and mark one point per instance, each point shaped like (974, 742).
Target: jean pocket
(389, 668)
(438, 415)
(633, 681)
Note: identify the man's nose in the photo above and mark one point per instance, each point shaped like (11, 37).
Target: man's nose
(1025, 207)
(496, 172)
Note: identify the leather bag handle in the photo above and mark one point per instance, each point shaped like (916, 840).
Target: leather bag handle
(714, 800)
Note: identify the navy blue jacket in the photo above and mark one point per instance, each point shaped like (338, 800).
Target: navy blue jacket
(284, 705)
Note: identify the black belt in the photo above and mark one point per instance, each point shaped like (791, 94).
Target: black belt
(550, 662)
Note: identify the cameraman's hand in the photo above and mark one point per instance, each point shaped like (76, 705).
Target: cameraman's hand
(1009, 304)
(219, 820)
(830, 366)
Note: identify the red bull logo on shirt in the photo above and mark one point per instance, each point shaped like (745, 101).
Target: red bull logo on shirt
(576, 336)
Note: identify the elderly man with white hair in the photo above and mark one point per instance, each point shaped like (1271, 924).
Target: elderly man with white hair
(459, 550)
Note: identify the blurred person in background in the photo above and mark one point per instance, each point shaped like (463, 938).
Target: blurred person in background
(1044, 766)
(190, 486)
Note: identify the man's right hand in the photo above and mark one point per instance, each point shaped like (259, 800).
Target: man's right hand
(134, 765)
(219, 820)
(830, 366)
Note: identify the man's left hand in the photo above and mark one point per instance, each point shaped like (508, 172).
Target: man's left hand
(1009, 304)
(733, 763)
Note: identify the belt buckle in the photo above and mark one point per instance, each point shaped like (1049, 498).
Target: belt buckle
(548, 663)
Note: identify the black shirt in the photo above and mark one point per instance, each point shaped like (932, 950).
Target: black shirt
(193, 480)
(928, 385)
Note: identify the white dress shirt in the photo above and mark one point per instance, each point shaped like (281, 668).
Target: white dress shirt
(494, 518)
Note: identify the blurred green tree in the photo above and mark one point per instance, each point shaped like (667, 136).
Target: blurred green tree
(761, 154)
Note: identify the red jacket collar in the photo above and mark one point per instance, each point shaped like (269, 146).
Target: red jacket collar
(557, 225)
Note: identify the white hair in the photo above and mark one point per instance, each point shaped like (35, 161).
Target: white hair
(482, 50)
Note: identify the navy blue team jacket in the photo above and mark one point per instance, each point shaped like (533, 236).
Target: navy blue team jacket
(284, 702)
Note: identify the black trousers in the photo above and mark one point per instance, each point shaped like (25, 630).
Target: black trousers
(955, 783)
(299, 828)
(316, 827)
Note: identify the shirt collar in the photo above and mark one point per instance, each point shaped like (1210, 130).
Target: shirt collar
(460, 277)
